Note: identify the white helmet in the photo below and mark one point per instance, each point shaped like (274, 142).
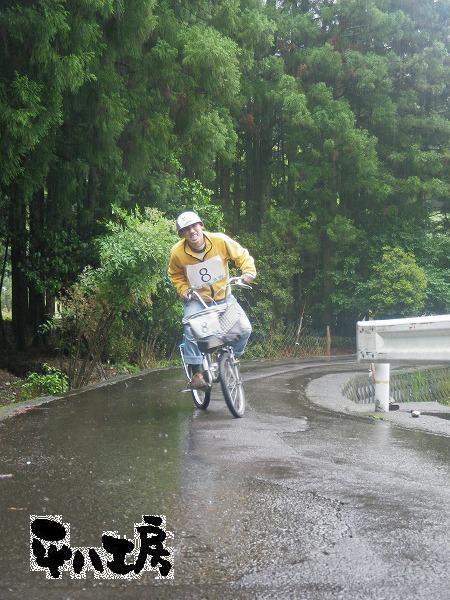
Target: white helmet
(187, 218)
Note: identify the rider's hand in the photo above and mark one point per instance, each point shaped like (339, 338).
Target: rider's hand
(247, 278)
(186, 296)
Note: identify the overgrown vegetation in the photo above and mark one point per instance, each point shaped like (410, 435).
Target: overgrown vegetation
(49, 383)
(104, 311)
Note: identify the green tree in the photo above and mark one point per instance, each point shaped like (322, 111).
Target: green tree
(319, 126)
(131, 271)
(46, 54)
(397, 285)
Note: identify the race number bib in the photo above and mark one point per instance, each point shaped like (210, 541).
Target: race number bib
(205, 273)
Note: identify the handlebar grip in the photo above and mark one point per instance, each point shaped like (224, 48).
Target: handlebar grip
(239, 282)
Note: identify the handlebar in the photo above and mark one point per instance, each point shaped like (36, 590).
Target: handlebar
(233, 281)
(238, 282)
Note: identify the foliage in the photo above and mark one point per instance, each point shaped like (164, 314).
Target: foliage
(397, 285)
(132, 264)
(127, 367)
(317, 132)
(193, 195)
(276, 265)
(433, 254)
(120, 343)
(132, 256)
(52, 381)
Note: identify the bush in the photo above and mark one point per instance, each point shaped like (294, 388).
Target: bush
(121, 343)
(49, 383)
(397, 285)
(95, 318)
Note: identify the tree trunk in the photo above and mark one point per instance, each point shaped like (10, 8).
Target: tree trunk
(250, 180)
(223, 174)
(237, 198)
(297, 293)
(36, 294)
(258, 176)
(17, 217)
(265, 170)
(328, 246)
(328, 286)
(3, 337)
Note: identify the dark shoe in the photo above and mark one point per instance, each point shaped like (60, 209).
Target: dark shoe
(198, 382)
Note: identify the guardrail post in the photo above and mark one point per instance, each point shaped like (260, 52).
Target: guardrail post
(381, 376)
(328, 341)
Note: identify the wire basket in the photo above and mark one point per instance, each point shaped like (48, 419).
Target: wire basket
(216, 320)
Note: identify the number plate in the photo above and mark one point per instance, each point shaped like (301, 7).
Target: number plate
(205, 273)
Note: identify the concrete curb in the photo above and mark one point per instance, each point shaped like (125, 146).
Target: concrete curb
(326, 392)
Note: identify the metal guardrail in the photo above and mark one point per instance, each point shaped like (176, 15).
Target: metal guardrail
(413, 340)
(412, 385)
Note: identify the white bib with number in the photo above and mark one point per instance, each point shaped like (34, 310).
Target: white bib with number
(205, 273)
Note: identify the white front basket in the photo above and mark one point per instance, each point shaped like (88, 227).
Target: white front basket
(216, 320)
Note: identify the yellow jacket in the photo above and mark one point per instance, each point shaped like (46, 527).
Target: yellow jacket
(207, 272)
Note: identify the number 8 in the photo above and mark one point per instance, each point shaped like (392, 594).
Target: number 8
(205, 276)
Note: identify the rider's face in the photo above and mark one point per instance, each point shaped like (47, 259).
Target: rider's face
(193, 234)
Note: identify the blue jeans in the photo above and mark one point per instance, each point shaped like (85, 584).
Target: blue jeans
(191, 353)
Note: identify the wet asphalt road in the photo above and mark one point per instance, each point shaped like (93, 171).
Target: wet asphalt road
(289, 502)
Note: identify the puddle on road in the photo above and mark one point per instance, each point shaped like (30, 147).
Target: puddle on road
(100, 460)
